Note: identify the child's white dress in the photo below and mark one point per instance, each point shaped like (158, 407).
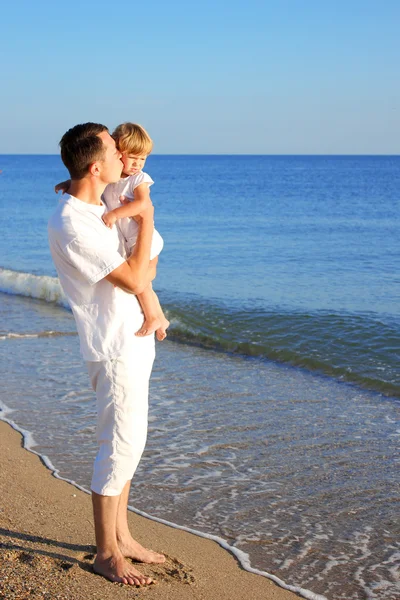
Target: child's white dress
(128, 226)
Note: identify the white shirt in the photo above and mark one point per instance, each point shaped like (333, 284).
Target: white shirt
(128, 226)
(84, 251)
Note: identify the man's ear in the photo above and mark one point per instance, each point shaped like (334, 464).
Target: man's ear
(94, 169)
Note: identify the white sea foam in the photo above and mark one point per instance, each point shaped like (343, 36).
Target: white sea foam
(17, 336)
(41, 287)
(29, 444)
(241, 556)
(10, 336)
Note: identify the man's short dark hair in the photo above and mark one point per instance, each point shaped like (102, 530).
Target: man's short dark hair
(81, 147)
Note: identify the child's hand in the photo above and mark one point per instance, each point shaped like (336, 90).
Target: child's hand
(63, 186)
(109, 219)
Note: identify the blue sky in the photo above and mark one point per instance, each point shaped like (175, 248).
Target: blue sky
(255, 77)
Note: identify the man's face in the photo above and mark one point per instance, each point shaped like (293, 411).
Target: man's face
(111, 165)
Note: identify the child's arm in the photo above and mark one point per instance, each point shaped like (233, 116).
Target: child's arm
(63, 186)
(129, 209)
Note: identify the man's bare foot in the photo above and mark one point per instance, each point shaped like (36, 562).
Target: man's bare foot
(130, 548)
(161, 332)
(116, 568)
(149, 326)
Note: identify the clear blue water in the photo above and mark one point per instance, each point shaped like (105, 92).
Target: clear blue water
(289, 258)
(280, 430)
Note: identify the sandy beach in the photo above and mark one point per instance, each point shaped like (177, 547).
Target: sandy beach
(47, 545)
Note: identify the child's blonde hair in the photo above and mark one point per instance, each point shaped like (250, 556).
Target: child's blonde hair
(133, 139)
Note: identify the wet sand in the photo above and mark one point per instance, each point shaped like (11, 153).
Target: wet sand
(47, 545)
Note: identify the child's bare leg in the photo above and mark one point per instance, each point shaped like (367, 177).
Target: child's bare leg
(161, 332)
(151, 309)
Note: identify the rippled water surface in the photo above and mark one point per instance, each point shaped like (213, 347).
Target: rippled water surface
(275, 408)
(292, 258)
(297, 470)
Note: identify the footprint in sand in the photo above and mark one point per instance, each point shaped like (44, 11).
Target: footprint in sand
(173, 571)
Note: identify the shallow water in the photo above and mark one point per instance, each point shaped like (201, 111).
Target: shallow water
(299, 471)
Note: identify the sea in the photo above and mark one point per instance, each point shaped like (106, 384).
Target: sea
(275, 400)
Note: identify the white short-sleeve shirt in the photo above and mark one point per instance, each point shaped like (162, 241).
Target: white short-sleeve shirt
(84, 252)
(129, 227)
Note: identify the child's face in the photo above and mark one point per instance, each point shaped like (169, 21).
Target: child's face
(133, 163)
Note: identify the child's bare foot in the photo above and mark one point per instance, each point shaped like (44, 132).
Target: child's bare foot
(161, 332)
(149, 326)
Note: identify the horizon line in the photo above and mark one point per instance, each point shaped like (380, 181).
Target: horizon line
(222, 154)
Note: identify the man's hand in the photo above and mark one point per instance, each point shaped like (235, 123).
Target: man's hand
(63, 186)
(109, 219)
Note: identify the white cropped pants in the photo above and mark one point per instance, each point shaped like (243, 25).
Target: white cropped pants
(122, 389)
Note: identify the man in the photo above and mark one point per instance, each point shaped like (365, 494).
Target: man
(100, 284)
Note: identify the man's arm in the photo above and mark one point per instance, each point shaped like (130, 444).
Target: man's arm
(135, 274)
(121, 277)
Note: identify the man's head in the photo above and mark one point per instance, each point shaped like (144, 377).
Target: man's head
(89, 150)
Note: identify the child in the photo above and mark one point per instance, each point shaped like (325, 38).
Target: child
(135, 145)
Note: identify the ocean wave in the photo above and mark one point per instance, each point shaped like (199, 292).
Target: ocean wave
(41, 287)
(357, 348)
